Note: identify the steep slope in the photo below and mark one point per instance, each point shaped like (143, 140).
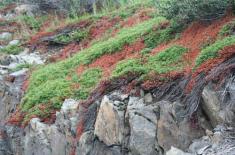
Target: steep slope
(125, 82)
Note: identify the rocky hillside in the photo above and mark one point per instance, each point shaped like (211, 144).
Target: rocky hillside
(124, 82)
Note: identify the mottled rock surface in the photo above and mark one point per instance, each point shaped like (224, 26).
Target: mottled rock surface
(109, 126)
(143, 126)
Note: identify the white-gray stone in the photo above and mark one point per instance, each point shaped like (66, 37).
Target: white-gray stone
(85, 143)
(23, 58)
(27, 9)
(109, 125)
(54, 139)
(19, 73)
(143, 126)
(5, 36)
(175, 151)
(173, 130)
(14, 42)
(69, 106)
(148, 98)
(211, 105)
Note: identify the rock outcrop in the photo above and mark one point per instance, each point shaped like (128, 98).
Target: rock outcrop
(109, 126)
(142, 122)
(126, 125)
(10, 93)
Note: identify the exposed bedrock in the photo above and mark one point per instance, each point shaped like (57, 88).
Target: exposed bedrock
(120, 124)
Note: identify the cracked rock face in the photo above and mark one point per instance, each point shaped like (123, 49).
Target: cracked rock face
(218, 142)
(172, 132)
(219, 105)
(117, 119)
(143, 126)
(212, 106)
(120, 124)
(55, 139)
(5, 148)
(109, 126)
(10, 95)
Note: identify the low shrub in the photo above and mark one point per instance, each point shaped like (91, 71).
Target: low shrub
(167, 60)
(211, 51)
(87, 81)
(129, 66)
(12, 49)
(52, 91)
(34, 23)
(187, 11)
(227, 29)
(76, 35)
(162, 35)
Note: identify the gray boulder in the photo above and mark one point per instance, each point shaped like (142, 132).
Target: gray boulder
(175, 151)
(14, 42)
(10, 95)
(55, 139)
(27, 9)
(211, 106)
(173, 130)
(5, 36)
(219, 142)
(85, 144)
(143, 126)
(109, 126)
(5, 148)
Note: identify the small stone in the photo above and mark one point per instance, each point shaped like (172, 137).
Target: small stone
(211, 106)
(217, 137)
(19, 73)
(34, 122)
(175, 151)
(5, 36)
(202, 150)
(148, 98)
(143, 126)
(109, 125)
(141, 93)
(14, 42)
(27, 9)
(209, 133)
(199, 145)
(69, 105)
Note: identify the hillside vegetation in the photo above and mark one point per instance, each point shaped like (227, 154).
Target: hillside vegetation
(156, 43)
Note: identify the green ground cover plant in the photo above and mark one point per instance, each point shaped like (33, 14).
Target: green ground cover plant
(165, 61)
(49, 84)
(211, 51)
(11, 49)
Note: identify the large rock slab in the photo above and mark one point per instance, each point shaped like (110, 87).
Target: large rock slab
(5, 148)
(109, 126)
(5, 36)
(217, 142)
(27, 9)
(67, 118)
(85, 144)
(36, 140)
(211, 106)
(175, 151)
(10, 95)
(143, 126)
(55, 139)
(173, 130)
